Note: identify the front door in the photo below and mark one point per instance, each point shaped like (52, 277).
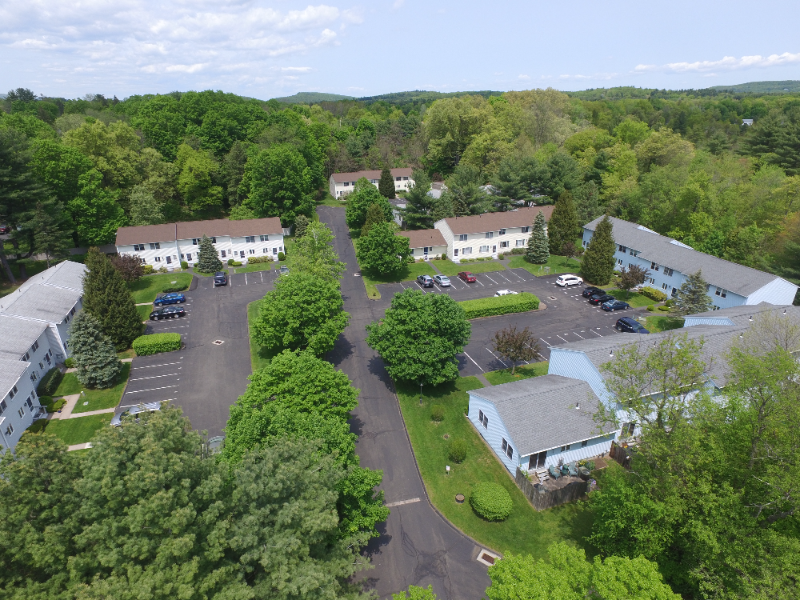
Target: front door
(536, 461)
(425, 250)
(494, 249)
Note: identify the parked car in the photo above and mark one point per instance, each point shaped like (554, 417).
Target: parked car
(591, 291)
(442, 280)
(613, 305)
(220, 278)
(467, 276)
(425, 280)
(504, 293)
(601, 298)
(116, 420)
(628, 325)
(284, 270)
(4, 228)
(172, 298)
(168, 312)
(568, 280)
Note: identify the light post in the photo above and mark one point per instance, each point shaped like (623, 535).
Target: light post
(420, 394)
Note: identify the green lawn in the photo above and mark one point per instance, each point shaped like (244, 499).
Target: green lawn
(74, 431)
(522, 372)
(451, 269)
(144, 311)
(665, 323)
(267, 266)
(97, 399)
(129, 353)
(329, 200)
(148, 287)
(260, 357)
(557, 264)
(525, 531)
(409, 273)
(632, 298)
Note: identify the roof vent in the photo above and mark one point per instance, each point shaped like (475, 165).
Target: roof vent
(611, 353)
(751, 318)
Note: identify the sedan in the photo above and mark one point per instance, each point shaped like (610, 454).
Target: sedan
(499, 293)
(5, 229)
(220, 278)
(600, 298)
(467, 276)
(591, 291)
(442, 280)
(168, 312)
(173, 298)
(425, 280)
(628, 325)
(116, 420)
(613, 305)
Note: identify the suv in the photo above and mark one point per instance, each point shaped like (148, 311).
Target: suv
(172, 298)
(116, 420)
(568, 280)
(591, 291)
(442, 280)
(168, 312)
(220, 278)
(425, 280)
(467, 276)
(628, 325)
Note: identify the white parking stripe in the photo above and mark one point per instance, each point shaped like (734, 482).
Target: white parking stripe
(504, 277)
(401, 502)
(176, 327)
(579, 335)
(498, 358)
(473, 361)
(150, 390)
(479, 281)
(546, 343)
(490, 279)
(152, 366)
(594, 332)
(559, 337)
(155, 376)
(245, 278)
(129, 405)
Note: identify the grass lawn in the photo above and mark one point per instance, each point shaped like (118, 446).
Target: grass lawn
(451, 269)
(525, 531)
(409, 273)
(665, 323)
(75, 431)
(6, 288)
(329, 200)
(260, 357)
(129, 353)
(144, 311)
(267, 266)
(523, 372)
(557, 264)
(148, 287)
(632, 298)
(97, 399)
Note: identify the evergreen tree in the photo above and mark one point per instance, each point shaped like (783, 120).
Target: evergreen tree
(538, 252)
(563, 226)
(692, 297)
(93, 352)
(598, 260)
(207, 259)
(107, 297)
(300, 226)
(442, 208)
(386, 184)
(419, 205)
(375, 215)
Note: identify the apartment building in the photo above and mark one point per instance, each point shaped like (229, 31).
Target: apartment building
(341, 184)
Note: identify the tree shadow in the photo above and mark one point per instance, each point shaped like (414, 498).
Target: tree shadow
(356, 426)
(376, 367)
(343, 348)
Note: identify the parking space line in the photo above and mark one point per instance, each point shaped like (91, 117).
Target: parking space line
(559, 337)
(501, 361)
(473, 361)
(546, 343)
(518, 275)
(490, 279)
(594, 332)
(155, 376)
(176, 327)
(504, 277)
(152, 366)
(579, 335)
(479, 281)
(245, 278)
(129, 405)
(402, 286)
(150, 390)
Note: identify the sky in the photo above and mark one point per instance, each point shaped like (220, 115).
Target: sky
(266, 49)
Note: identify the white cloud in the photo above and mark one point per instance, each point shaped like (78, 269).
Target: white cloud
(728, 63)
(524, 77)
(296, 69)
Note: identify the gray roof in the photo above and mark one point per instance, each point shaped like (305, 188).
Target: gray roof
(65, 274)
(18, 335)
(563, 408)
(42, 302)
(676, 255)
(10, 372)
(741, 315)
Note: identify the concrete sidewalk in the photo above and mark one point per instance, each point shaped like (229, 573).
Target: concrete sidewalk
(72, 402)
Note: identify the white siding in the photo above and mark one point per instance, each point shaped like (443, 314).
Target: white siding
(447, 234)
(476, 241)
(156, 258)
(340, 190)
(433, 252)
(242, 248)
(186, 250)
(25, 389)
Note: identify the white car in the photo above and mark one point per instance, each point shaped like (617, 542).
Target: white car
(504, 293)
(568, 280)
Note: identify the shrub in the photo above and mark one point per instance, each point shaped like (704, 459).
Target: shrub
(230, 262)
(491, 501)
(259, 259)
(458, 450)
(651, 307)
(654, 294)
(50, 382)
(669, 303)
(663, 308)
(157, 342)
(69, 363)
(487, 307)
(281, 256)
(518, 251)
(184, 265)
(163, 270)
(148, 269)
(437, 412)
(177, 288)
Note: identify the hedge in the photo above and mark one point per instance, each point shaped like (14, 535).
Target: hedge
(49, 383)
(157, 342)
(654, 294)
(177, 288)
(259, 259)
(491, 501)
(488, 307)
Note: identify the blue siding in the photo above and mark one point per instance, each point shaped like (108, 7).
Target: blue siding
(495, 431)
(576, 365)
(692, 321)
(594, 447)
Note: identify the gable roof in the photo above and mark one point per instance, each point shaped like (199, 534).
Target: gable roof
(374, 174)
(564, 410)
(186, 230)
(671, 253)
(421, 238)
(738, 315)
(41, 302)
(10, 373)
(66, 274)
(144, 234)
(18, 335)
(520, 217)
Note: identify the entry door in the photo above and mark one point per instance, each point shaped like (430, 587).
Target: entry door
(425, 250)
(494, 249)
(537, 461)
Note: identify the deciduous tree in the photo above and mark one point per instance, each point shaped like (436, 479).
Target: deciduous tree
(597, 265)
(300, 226)
(51, 229)
(143, 208)
(538, 246)
(383, 252)
(129, 266)
(313, 253)
(95, 210)
(375, 215)
(516, 345)
(360, 199)
(93, 352)
(631, 276)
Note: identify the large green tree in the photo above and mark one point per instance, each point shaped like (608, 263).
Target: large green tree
(50, 229)
(95, 210)
(197, 180)
(420, 337)
(304, 311)
(313, 253)
(538, 251)
(418, 212)
(360, 199)
(382, 251)
(692, 297)
(386, 184)
(207, 258)
(93, 352)
(375, 215)
(597, 265)
(563, 226)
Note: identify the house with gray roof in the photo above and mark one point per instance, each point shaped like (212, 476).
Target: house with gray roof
(19, 404)
(739, 315)
(670, 262)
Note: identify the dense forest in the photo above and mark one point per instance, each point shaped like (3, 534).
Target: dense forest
(681, 163)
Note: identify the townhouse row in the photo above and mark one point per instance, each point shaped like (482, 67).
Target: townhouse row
(341, 184)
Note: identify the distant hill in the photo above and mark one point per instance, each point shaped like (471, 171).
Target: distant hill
(761, 87)
(312, 98)
(421, 96)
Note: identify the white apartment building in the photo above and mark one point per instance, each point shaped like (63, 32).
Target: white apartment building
(341, 184)
(169, 244)
(19, 404)
(489, 234)
(425, 243)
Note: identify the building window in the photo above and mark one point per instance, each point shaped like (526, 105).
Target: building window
(565, 448)
(157, 258)
(34, 376)
(622, 248)
(241, 254)
(250, 239)
(41, 366)
(72, 312)
(483, 419)
(455, 252)
(222, 253)
(465, 251)
(525, 229)
(21, 412)
(619, 262)
(213, 240)
(501, 232)
(504, 244)
(627, 429)
(169, 260)
(263, 238)
(462, 237)
(25, 357)
(156, 246)
(405, 178)
(721, 293)
(654, 266)
(9, 430)
(489, 235)
(252, 251)
(274, 250)
(138, 247)
(668, 272)
(584, 443)
(264, 250)
(29, 402)
(196, 241)
(189, 257)
(484, 249)
(507, 449)
(398, 179)
(632, 252)
(674, 292)
(47, 358)
(2, 406)
(664, 286)
(520, 243)
(346, 184)
(412, 251)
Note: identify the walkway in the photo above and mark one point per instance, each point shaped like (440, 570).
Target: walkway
(72, 402)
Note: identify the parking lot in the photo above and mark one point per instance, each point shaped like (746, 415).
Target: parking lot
(486, 285)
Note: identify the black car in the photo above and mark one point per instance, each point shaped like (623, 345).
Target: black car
(600, 298)
(591, 291)
(628, 325)
(425, 280)
(168, 312)
(220, 278)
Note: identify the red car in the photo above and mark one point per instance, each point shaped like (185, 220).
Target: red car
(5, 228)
(467, 276)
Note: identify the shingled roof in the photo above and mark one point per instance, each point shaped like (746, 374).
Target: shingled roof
(186, 230)
(356, 175)
(421, 238)
(18, 335)
(494, 221)
(41, 302)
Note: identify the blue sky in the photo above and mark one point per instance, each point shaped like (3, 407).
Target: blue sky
(265, 49)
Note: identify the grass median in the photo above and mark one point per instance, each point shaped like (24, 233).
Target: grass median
(526, 530)
(635, 299)
(522, 372)
(556, 264)
(148, 287)
(97, 399)
(500, 305)
(266, 266)
(73, 431)
(665, 323)
(451, 269)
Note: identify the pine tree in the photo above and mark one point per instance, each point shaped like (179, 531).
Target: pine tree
(300, 226)
(538, 252)
(563, 226)
(107, 297)
(375, 215)
(207, 259)
(386, 184)
(692, 297)
(419, 205)
(93, 352)
(598, 260)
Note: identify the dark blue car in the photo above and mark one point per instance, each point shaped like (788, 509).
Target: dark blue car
(173, 298)
(612, 305)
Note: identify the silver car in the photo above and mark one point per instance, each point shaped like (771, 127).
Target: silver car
(442, 280)
(135, 410)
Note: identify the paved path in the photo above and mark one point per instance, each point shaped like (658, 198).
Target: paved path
(69, 407)
(417, 546)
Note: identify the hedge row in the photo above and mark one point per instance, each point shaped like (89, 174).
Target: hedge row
(654, 294)
(50, 382)
(259, 259)
(488, 307)
(157, 342)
